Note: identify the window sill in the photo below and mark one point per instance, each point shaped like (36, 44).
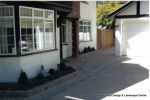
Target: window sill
(85, 41)
(26, 54)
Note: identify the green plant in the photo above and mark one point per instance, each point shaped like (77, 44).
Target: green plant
(102, 12)
(89, 49)
(93, 48)
(40, 76)
(23, 78)
(51, 71)
(85, 50)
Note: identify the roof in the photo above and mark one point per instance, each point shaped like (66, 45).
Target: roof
(122, 8)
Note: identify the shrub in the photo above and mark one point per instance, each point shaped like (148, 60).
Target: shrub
(85, 50)
(51, 71)
(23, 78)
(93, 49)
(89, 49)
(40, 76)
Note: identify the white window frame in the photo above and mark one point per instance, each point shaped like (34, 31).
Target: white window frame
(33, 17)
(90, 34)
(13, 17)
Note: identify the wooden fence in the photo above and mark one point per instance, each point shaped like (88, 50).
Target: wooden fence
(105, 38)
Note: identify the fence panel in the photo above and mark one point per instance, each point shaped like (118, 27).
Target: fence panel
(105, 38)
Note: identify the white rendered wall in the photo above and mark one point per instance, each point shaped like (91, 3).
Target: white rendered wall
(88, 12)
(129, 11)
(9, 69)
(67, 49)
(144, 7)
(118, 37)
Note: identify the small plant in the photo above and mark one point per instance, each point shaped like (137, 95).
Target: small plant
(85, 50)
(93, 49)
(42, 73)
(40, 76)
(51, 71)
(23, 78)
(89, 49)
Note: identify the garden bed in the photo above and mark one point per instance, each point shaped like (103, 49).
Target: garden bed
(34, 82)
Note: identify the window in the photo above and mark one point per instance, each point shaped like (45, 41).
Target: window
(85, 31)
(37, 29)
(7, 34)
(63, 29)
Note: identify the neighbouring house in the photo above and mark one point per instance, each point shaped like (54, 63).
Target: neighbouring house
(87, 32)
(132, 36)
(35, 33)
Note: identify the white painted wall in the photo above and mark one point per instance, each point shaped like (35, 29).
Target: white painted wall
(129, 11)
(9, 69)
(118, 37)
(32, 64)
(67, 49)
(144, 7)
(88, 12)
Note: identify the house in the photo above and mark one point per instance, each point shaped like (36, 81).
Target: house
(132, 36)
(35, 33)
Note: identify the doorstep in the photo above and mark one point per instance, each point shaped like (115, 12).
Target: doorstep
(38, 89)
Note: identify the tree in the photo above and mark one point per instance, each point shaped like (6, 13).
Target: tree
(102, 12)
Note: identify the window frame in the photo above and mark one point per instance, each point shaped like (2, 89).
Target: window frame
(64, 37)
(14, 35)
(34, 17)
(90, 34)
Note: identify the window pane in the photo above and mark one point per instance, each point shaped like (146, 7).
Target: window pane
(10, 39)
(4, 49)
(81, 22)
(26, 22)
(49, 14)
(30, 43)
(85, 31)
(10, 31)
(26, 35)
(29, 31)
(49, 26)
(3, 11)
(11, 49)
(38, 13)
(6, 22)
(24, 38)
(37, 35)
(26, 12)
(23, 31)
(7, 45)
(89, 23)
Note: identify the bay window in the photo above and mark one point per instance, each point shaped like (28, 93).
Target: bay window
(85, 31)
(37, 29)
(7, 34)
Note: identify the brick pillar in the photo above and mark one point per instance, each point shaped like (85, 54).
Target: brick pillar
(75, 37)
(75, 28)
